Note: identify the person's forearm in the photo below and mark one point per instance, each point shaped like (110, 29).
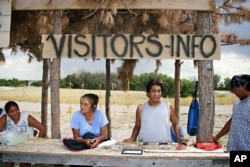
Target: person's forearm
(102, 137)
(178, 134)
(220, 134)
(134, 133)
(223, 131)
(42, 132)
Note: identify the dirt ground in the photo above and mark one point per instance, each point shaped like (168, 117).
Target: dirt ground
(123, 118)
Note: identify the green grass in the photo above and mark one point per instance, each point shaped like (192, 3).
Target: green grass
(72, 96)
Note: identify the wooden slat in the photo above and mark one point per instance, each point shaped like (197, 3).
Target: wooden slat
(126, 46)
(4, 39)
(5, 23)
(5, 7)
(203, 5)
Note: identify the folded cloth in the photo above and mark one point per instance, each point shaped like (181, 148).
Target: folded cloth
(74, 145)
(208, 146)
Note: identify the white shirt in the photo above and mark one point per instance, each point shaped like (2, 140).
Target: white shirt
(155, 124)
(21, 126)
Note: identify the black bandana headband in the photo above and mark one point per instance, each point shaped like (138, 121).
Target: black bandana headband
(240, 80)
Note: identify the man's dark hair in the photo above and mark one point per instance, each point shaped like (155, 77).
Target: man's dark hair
(152, 83)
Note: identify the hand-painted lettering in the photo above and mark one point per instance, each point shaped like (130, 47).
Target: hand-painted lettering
(155, 42)
(205, 38)
(93, 47)
(79, 39)
(123, 45)
(105, 44)
(131, 46)
(69, 46)
(194, 45)
(59, 49)
(183, 45)
(134, 44)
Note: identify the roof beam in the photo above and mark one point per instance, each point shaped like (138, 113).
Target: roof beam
(202, 5)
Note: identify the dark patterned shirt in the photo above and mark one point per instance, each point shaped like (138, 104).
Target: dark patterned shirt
(239, 137)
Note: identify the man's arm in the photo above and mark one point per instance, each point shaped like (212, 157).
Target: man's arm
(137, 126)
(3, 121)
(175, 125)
(36, 124)
(223, 131)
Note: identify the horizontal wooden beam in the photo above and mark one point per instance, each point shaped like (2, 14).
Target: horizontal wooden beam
(202, 5)
(128, 46)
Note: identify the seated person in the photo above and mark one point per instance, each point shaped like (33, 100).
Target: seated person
(154, 118)
(14, 120)
(89, 121)
(89, 125)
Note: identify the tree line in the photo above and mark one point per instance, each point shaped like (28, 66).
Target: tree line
(95, 81)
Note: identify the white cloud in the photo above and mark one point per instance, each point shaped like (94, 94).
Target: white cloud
(231, 64)
(17, 66)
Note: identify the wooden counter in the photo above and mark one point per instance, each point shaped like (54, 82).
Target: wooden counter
(52, 151)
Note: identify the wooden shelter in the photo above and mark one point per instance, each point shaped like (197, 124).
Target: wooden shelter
(150, 43)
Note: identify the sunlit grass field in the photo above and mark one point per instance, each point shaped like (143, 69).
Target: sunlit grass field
(72, 96)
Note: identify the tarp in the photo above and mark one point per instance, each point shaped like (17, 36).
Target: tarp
(193, 115)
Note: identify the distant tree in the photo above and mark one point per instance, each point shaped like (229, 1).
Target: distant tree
(216, 81)
(227, 83)
(13, 82)
(139, 83)
(37, 83)
(187, 87)
(71, 80)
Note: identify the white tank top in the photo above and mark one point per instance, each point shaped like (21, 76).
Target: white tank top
(21, 126)
(155, 124)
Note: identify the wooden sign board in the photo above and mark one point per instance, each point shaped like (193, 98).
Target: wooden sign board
(5, 22)
(128, 46)
(202, 5)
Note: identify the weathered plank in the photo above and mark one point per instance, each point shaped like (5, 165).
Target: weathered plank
(203, 5)
(52, 151)
(128, 46)
(5, 7)
(4, 39)
(5, 23)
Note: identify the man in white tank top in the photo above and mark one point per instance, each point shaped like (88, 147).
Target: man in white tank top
(154, 118)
